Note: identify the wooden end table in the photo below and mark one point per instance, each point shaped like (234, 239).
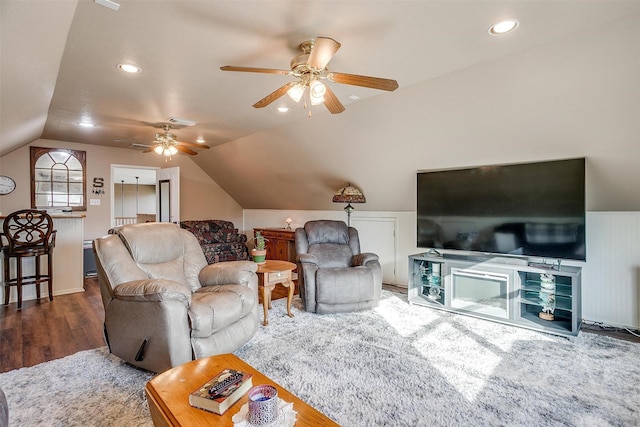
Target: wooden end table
(270, 273)
(168, 395)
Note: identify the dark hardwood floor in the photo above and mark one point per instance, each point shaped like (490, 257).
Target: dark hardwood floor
(44, 331)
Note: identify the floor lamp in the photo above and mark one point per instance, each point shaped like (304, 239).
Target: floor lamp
(348, 195)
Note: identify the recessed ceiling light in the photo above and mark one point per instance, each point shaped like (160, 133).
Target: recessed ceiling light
(503, 27)
(284, 109)
(129, 68)
(200, 140)
(354, 97)
(86, 124)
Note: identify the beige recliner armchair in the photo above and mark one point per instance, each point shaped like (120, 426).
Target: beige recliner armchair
(333, 275)
(164, 305)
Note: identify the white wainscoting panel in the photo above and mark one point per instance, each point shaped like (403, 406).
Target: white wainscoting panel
(611, 276)
(67, 262)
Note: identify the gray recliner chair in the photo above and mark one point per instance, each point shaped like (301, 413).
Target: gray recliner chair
(164, 305)
(333, 275)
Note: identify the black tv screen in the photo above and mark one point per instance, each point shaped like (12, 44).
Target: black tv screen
(530, 209)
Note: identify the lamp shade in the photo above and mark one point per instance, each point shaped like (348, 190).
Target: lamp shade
(349, 194)
(296, 92)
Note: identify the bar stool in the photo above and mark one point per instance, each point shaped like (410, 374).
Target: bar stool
(28, 233)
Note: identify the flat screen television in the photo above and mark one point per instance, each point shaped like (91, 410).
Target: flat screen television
(530, 209)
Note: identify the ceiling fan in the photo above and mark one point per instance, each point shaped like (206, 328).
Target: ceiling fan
(166, 144)
(310, 67)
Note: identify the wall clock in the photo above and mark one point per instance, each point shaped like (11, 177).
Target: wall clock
(7, 184)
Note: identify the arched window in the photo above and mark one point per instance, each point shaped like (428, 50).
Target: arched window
(58, 179)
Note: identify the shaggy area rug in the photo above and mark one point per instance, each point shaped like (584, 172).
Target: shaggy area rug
(89, 388)
(396, 365)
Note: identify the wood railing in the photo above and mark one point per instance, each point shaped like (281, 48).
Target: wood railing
(123, 220)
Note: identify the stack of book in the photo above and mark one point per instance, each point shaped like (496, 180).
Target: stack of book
(223, 390)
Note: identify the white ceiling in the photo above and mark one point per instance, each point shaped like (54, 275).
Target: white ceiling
(560, 85)
(59, 58)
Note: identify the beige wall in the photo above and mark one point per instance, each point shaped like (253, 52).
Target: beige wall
(201, 197)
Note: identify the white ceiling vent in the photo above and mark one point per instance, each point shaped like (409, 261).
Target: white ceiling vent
(138, 146)
(108, 3)
(180, 121)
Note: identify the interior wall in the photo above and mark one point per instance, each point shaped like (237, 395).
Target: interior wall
(201, 197)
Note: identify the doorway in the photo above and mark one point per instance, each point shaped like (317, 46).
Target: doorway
(133, 194)
(142, 194)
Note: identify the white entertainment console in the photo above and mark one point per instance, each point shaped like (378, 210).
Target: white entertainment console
(502, 289)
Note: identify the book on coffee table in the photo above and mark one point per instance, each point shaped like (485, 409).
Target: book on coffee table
(220, 392)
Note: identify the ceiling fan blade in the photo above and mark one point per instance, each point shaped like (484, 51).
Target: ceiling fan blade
(332, 102)
(193, 144)
(323, 50)
(148, 150)
(255, 70)
(186, 150)
(364, 81)
(274, 95)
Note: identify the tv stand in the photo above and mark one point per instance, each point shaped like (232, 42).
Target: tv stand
(466, 257)
(502, 289)
(480, 257)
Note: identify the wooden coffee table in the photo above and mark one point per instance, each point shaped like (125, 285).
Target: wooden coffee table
(168, 395)
(270, 273)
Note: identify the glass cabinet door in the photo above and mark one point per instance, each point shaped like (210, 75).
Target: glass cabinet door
(432, 283)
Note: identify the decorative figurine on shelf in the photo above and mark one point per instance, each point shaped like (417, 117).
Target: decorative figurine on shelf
(259, 251)
(288, 221)
(434, 293)
(547, 296)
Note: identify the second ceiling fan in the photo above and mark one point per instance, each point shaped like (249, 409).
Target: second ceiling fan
(310, 68)
(167, 144)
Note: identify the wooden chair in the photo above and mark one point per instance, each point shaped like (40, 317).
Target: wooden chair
(27, 233)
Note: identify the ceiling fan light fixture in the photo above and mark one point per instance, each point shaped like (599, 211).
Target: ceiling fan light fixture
(167, 144)
(309, 67)
(317, 89)
(317, 100)
(296, 92)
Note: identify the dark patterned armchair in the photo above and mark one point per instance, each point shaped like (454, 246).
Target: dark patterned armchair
(220, 240)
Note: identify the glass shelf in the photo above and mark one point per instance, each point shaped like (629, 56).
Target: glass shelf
(534, 286)
(531, 298)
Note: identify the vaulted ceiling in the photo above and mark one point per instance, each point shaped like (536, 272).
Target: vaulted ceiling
(59, 67)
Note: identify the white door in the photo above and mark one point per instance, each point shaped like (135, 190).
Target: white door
(168, 195)
(378, 235)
